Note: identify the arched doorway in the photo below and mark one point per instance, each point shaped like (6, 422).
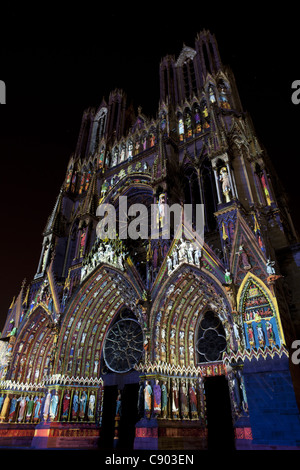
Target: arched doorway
(191, 328)
(122, 350)
(210, 345)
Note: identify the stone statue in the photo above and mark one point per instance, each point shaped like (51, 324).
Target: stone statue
(182, 250)
(65, 405)
(228, 279)
(54, 405)
(100, 253)
(140, 405)
(119, 404)
(169, 263)
(47, 405)
(270, 268)
(225, 183)
(236, 333)
(244, 257)
(5, 408)
(193, 400)
(175, 258)
(161, 210)
(83, 400)
(12, 410)
(184, 401)
(121, 261)
(270, 333)
(243, 390)
(175, 400)
(75, 405)
(164, 399)
(235, 392)
(260, 334)
(29, 409)
(197, 255)
(37, 408)
(91, 408)
(190, 253)
(147, 398)
(157, 398)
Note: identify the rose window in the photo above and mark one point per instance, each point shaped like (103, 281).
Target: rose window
(123, 347)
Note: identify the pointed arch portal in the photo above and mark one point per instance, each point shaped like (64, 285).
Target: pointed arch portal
(100, 299)
(178, 311)
(259, 314)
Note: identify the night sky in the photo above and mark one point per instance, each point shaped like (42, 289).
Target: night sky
(56, 64)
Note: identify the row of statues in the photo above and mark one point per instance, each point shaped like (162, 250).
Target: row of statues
(23, 408)
(185, 252)
(35, 408)
(104, 251)
(176, 399)
(78, 406)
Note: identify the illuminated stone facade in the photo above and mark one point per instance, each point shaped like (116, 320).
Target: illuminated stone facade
(133, 343)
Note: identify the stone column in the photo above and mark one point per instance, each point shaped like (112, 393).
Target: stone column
(217, 186)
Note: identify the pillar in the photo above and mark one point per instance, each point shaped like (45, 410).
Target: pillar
(217, 186)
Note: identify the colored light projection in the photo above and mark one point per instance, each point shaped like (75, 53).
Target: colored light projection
(259, 318)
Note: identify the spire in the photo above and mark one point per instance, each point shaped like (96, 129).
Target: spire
(12, 303)
(18, 305)
(14, 315)
(53, 289)
(52, 223)
(26, 296)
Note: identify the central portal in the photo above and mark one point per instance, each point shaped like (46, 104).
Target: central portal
(125, 425)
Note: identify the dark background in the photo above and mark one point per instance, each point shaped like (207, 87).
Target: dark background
(57, 63)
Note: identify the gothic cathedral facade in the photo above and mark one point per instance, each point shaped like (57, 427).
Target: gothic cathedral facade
(151, 342)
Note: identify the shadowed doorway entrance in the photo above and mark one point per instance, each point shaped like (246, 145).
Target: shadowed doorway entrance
(219, 418)
(127, 421)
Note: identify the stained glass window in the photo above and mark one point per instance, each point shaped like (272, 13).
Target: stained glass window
(180, 127)
(123, 346)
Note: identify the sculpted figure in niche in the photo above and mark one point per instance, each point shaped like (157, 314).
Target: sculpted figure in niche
(225, 183)
(193, 400)
(91, 407)
(147, 398)
(175, 400)
(54, 406)
(164, 399)
(157, 398)
(184, 401)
